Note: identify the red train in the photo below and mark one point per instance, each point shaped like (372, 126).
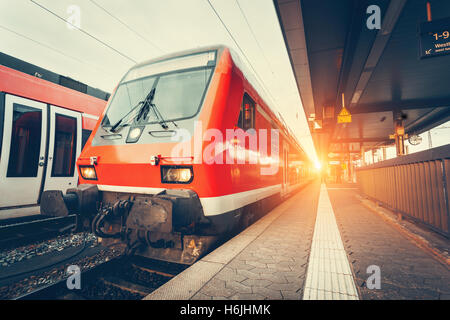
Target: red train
(185, 152)
(43, 127)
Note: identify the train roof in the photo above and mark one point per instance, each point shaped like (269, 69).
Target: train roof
(218, 48)
(31, 69)
(31, 87)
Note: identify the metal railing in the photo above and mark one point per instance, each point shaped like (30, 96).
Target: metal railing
(414, 185)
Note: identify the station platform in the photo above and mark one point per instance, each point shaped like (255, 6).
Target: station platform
(318, 244)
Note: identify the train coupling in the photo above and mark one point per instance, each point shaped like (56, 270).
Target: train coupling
(164, 226)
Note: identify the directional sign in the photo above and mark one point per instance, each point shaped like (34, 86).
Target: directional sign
(344, 116)
(434, 38)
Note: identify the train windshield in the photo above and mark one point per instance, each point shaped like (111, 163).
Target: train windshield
(179, 87)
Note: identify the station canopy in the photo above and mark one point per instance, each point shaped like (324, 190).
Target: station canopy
(385, 74)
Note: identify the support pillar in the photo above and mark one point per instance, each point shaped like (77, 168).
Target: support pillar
(363, 155)
(399, 135)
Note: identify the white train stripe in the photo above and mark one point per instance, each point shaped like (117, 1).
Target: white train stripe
(125, 189)
(216, 205)
(90, 116)
(211, 205)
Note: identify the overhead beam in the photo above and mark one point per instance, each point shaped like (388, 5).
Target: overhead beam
(400, 105)
(389, 21)
(349, 51)
(429, 121)
(384, 34)
(360, 140)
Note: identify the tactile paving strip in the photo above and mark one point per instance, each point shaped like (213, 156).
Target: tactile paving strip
(329, 274)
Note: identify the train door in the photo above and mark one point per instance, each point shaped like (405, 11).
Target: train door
(64, 147)
(285, 168)
(22, 157)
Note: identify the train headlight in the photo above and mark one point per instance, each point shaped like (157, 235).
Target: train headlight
(88, 172)
(134, 134)
(177, 174)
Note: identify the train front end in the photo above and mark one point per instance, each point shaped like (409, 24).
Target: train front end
(139, 178)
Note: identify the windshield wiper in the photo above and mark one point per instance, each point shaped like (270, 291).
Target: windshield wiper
(149, 97)
(143, 112)
(162, 121)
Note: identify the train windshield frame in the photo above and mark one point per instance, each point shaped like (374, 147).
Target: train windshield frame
(180, 85)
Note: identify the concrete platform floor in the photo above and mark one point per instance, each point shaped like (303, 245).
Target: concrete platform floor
(318, 244)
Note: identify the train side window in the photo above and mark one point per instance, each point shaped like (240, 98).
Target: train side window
(247, 113)
(84, 137)
(25, 141)
(239, 123)
(2, 115)
(65, 146)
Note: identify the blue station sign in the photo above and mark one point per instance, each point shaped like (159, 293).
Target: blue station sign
(434, 38)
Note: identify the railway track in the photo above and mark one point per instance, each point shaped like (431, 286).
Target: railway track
(21, 231)
(104, 275)
(123, 278)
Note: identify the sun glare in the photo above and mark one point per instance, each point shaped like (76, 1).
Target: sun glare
(318, 165)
